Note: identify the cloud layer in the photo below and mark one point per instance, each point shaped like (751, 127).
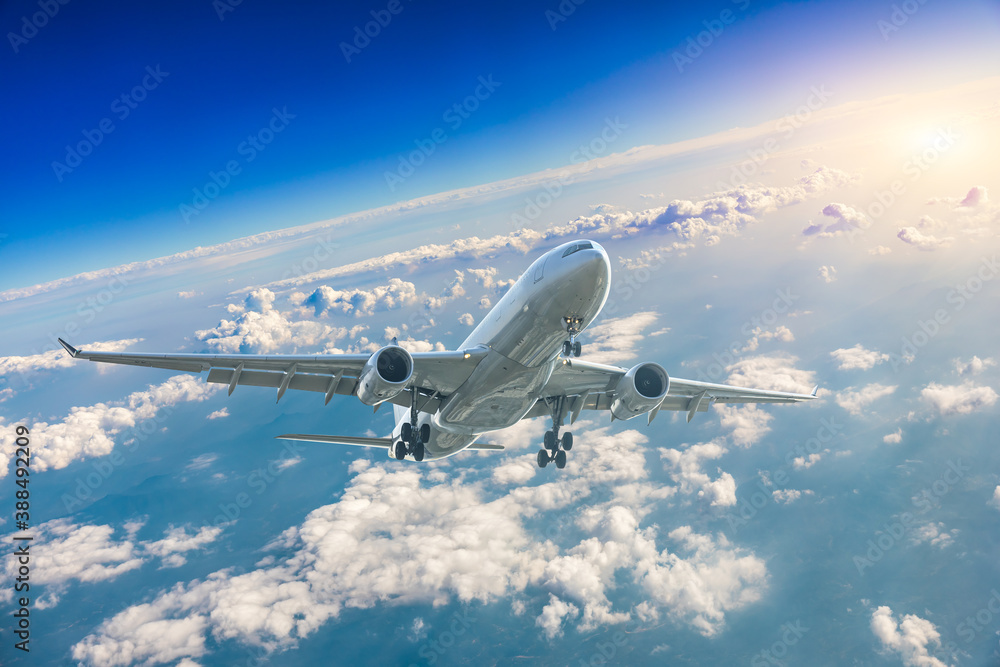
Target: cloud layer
(401, 535)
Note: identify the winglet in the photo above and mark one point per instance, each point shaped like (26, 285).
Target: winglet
(73, 352)
(815, 389)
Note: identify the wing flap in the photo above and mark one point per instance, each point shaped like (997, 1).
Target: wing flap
(300, 381)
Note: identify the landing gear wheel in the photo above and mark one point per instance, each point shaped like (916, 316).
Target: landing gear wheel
(550, 440)
(418, 451)
(567, 348)
(543, 458)
(567, 441)
(425, 433)
(576, 349)
(560, 459)
(400, 450)
(406, 432)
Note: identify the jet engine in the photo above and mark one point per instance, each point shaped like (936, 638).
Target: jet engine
(640, 390)
(384, 375)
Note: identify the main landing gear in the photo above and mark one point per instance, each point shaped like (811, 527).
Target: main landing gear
(412, 439)
(555, 448)
(572, 347)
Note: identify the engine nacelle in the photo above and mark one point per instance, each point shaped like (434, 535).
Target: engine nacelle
(384, 375)
(640, 390)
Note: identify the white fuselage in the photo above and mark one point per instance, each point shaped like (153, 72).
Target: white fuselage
(523, 334)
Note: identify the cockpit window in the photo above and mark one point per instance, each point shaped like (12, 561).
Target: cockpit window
(577, 247)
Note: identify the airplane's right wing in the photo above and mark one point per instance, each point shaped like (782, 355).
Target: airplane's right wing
(591, 386)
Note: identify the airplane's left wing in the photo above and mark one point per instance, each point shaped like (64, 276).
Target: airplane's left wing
(591, 386)
(435, 374)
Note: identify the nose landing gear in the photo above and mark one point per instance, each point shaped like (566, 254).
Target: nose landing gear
(572, 347)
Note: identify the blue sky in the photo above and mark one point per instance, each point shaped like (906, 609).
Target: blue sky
(354, 120)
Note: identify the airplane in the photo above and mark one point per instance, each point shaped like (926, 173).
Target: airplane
(521, 361)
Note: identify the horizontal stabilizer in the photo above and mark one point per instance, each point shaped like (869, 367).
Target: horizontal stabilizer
(384, 443)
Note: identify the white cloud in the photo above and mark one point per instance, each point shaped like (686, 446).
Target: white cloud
(856, 401)
(288, 462)
(358, 302)
(152, 640)
(935, 534)
(788, 496)
(995, 500)
(260, 328)
(473, 247)
(846, 219)
(202, 461)
(894, 438)
(90, 553)
(828, 273)
(82, 553)
(781, 333)
(466, 319)
(921, 241)
(958, 399)
(615, 341)
(653, 259)
(858, 357)
(487, 277)
(89, 431)
(59, 358)
(177, 541)
(453, 540)
(186, 295)
(911, 638)
(219, 414)
(879, 250)
(805, 462)
(776, 372)
(720, 214)
(748, 423)
(517, 470)
(973, 366)
(976, 196)
(685, 468)
(418, 630)
(554, 615)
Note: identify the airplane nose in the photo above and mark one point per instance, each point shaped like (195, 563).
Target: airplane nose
(599, 258)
